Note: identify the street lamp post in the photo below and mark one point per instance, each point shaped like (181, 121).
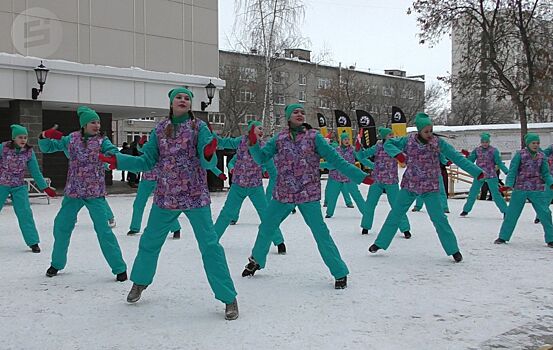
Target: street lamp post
(210, 90)
(41, 73)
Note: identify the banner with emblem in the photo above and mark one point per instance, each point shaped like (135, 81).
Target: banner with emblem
(343, 124)
(367, 128)
(399, 122)
(322, 124)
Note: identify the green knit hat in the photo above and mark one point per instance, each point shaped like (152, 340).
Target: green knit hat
(290, 108)
(254, 122)
(343, 136)
(531, 137)
(86, 115)
(383, 132)
(422, 120)
(485, 137)
(180, 90)
(18, 130)
(334, 144)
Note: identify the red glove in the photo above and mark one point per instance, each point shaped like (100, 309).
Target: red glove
(222, 177)
(481, 176)
(266, 175)
(143, 140)
(368, 180)
(357, 146)
(210, 148)
(231, 171)
(448, 163)
(252, 137)
(53, 134)
(111, 160)
(465, 152)
(50, 192)
(400, 157)
(504, 188)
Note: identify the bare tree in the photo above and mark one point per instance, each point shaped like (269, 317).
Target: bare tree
(506, 45)
(269, 27)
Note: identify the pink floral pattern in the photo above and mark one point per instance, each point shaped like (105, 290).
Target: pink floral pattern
(85, 176)
(246, 173)
(423, 166)
(529, 174)
(13, 165)
(385, 167)
(347, 154)
(485, 159)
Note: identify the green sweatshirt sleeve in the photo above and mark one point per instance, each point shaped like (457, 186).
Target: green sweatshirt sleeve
(334, 159)
(548, 151)
(545, 174)
(228, 142)
(366, 153)
(472, 156)
(215, 171)
(34, 169)
(395, 145)
(271, 169)
(204, 138)
(52, 146)
(230, 165)
(499, 162)
(458, 159)
(144, 162)
(263, 155)
(108, 148)
(513, 171)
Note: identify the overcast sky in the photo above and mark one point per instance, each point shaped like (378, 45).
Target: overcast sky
(371, 34)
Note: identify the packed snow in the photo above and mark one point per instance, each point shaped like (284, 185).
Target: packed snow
(409, 297)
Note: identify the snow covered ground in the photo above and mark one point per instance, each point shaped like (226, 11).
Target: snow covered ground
(409, 297)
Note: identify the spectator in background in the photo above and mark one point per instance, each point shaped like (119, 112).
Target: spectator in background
(125, 149)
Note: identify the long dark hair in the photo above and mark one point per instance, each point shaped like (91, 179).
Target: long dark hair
(11, 145)
(170, 130)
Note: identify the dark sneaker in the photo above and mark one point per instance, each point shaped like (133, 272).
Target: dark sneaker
(233, 222)
(464, 213)
(294, 211)
(350, 206)
(446, 211)
(458, 257)
(250, 268)
(121, 277)
(536, 221)
(35, 248)
(327, 216)
(364, 231)
(374, 248)
(52, 271)
(176, 234)
(407, 234)
(550, 244)
(415, 209)
(341, 283)
(111, 223)
(135, 293)
(500, 241)
(131, 233)
(231, 311)
(281, 248)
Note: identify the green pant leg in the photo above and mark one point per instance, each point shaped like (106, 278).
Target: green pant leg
(278, 212)
(109, 212)
(403, 201)
(353, 190)
(326, 191)
(540, 202)
(493, 185)
(516, 204)
(269, 190)
(419, 203)
(473, 193)
(4, 193)
(108, 242)
(231, 208)
(64, 223)
(257, 197)
(175, 226)
(391, 192)
(375, 191)
(313, 216)
(347, 196)
(435, 210)
(333, 189)
(145, 189)
(443, 196)
(22, 208)
(213, 254)
(151, 241)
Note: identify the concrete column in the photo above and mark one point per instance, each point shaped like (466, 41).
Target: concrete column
(29, 114)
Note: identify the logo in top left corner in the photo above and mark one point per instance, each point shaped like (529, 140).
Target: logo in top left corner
(37, 32)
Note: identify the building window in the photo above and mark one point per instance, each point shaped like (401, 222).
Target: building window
(372, 90)
(387, 91)
(216, 118)
(278, 119)
(324, 103)
(324, 83)
(302, 79)
(246, 96)
(301, 96)
(248, 74)
(147, 118)
(280, 77)
(135, 135)
(280, 100)
(247, 117)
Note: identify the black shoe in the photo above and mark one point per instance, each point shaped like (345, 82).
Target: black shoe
(415, 209)
(350, 206)
(550, 244)
(446, 211)
(131, 233)
(231, 311)
(281, 248)
(464, 213)
(500, 241)
(121, 277)
(294, 211)
(364, 231)
(176, 234)
(324, 205)
(374, 248)
(35, 248)
(250, 268)
(341, 283)
(536, 221)
(233, 222)
(458, 257)
(327, 216)
(51, 272)
(407, 234)
(135, 293)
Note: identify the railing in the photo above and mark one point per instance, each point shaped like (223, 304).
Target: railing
(33, 190)
(454, 174)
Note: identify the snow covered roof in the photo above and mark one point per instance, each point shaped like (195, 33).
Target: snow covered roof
(457, 128)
